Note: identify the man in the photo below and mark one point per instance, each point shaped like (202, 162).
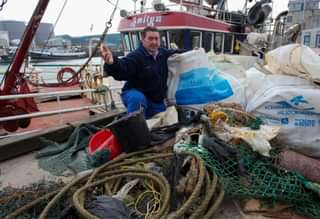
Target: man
(145, 71)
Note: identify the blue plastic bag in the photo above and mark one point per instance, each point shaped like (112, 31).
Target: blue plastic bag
(200, 86)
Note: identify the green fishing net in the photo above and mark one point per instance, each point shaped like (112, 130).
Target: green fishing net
(250, 176)
(12, 199)
(72, 155)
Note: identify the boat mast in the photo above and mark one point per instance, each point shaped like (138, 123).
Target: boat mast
(28, 35)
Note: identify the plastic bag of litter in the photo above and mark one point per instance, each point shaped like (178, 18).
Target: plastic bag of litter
(194, 81)
(257, 139)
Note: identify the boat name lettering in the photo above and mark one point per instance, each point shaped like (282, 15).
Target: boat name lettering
(146, 19)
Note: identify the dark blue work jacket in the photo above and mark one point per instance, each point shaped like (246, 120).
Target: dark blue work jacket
(142, 72)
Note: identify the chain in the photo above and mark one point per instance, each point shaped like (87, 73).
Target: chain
(2, 4)
(113, 4)
(103, 35)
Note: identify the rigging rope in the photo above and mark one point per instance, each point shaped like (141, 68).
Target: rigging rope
(111, 3)
(54, 26)
(2, 4)
(75, 76)
(102, 37)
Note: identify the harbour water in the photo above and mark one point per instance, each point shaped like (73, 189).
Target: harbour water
(49, 70)
(48, 73)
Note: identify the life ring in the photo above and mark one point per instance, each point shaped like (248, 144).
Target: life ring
(73, 80)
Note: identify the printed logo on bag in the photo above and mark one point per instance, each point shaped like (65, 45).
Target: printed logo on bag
(297, 102)
(297, 112)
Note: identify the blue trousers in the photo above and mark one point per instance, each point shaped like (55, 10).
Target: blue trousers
(134, 100)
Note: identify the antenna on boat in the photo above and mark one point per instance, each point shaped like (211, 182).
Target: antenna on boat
(142, 4)
(135, 6)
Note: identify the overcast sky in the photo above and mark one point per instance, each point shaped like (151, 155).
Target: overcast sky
(80, 15)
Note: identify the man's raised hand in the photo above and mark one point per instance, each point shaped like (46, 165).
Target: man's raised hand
(106, 54)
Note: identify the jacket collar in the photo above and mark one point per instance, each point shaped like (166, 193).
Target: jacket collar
(145, 52)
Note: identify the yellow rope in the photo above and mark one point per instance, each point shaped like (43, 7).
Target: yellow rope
(215, 116)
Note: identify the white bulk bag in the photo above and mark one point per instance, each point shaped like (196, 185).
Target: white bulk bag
(291, 102)
(294, 59)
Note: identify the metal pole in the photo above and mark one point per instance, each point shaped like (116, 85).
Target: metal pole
(49, 113)
(246, 7)
(304, 7)
(55, 93)
(59, 107)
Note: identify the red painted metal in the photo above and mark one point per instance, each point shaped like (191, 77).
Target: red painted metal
(12, 76)
(14, 82)
(171, 19)
(27, 103)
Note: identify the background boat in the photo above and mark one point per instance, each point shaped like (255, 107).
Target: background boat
(56, 54)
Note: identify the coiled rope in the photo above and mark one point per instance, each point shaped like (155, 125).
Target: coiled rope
(206, 195)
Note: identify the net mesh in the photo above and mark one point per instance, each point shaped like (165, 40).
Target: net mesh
(60, 159)
(261, 179)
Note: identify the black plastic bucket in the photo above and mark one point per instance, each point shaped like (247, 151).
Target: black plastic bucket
(131, 131)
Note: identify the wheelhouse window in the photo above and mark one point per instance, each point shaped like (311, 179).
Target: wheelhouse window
(307, 39)
(163, 39)
(318, 40)
(195, 39)
(227, 43)
(196, 2)
(135, 40)
(207, 41)
(176, 38)
(126, 42)
(217, 45)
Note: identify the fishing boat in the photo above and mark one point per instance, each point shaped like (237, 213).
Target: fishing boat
(183, 24)
(55, 53)
(44, 99)
(194, 183)
(186, 25)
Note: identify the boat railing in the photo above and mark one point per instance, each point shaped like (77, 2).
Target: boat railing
(90, 77)
(102, 95)
(107, 105)
(222, 15)
(47, 72)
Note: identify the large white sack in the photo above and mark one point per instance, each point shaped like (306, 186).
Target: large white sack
(257, 39)
(294, 59)
(291, 102)
(193, 80)
(236, 61)
(257, 82)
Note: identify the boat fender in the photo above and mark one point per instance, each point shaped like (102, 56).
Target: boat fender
(74, 79)
(258, 13)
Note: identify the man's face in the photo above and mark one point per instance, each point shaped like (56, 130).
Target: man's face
(151, 41)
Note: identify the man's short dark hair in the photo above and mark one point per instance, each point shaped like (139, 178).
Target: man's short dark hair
(148, 29)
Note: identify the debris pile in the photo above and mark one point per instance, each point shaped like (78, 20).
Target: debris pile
(155, 183)
(20, 200)
(253, 146)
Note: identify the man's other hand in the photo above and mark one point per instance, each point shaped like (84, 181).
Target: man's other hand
(106, 54)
